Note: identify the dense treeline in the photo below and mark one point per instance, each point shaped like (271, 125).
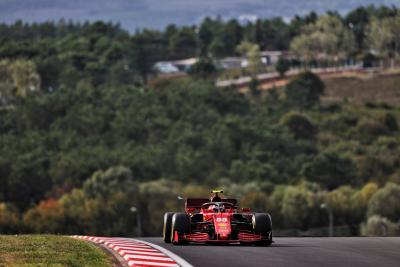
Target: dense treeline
(192, 133)
(82, 139)
(103, 53)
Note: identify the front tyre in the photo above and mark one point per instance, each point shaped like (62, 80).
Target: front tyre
(262, 225)
(180, 226)
(167, 227)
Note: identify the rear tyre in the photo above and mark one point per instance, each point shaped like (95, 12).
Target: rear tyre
(180, 225)
(167, 227)
(262, 225)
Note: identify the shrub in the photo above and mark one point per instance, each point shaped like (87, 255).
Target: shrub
(380, 226)
(203, 69)
(300, 125)
(282, 66)
(257, 201)
(304, 91)
(368, 130)
(47, 217)
(331, 170)
(386, 202)
(391, 122)
(9, 219)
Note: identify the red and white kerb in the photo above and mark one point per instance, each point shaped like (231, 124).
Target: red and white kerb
(135, 252)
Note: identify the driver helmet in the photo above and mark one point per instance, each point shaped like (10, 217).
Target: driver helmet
(216, 199)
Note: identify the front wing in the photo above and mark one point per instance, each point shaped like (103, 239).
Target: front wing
(199, 237)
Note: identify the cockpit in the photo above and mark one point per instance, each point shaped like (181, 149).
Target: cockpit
(217, 207)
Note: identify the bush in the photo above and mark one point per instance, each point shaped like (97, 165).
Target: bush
(203, 69)
(300, 125)
(47, 217)
(380, 226)
(115, 179)
(369, 130)
(257, 201)
(305, 90)
(369, 60)
(386, 202)
(391, 122)
(295, 207)
(9, 219)
(331, 170)
(254, 86)
(282, 66)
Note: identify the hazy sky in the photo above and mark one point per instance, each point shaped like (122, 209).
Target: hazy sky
(158, 13)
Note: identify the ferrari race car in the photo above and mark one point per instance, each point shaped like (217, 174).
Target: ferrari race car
(217, 220)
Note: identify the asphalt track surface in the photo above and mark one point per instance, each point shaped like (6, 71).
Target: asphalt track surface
(295, 252)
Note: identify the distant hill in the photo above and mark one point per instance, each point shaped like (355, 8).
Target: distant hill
(134, 14)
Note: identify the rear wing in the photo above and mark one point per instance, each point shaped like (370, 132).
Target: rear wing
(196, 203)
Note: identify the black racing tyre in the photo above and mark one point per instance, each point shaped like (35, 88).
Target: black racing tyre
(167, 227)
(262, 225)
(181, 224)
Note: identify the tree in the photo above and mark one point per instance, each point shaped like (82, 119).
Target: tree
(379, 37)
(231, 36)
(395, 31)
(184, 43)
(304, 47)
(296, 204)
(300, 125)
(115, 179)
(304, 91)
(217, 47)
(18, 78)
(282, 66)
(358, 20)
(254, 86)
(257, 201)
(380, 226)
(340, 201)
(326, 37)
(203, 69)
(331, 170)
(146, 47)
(252, 53)
(47, 217)
(206, 35)
(386, 202)
(9, 219)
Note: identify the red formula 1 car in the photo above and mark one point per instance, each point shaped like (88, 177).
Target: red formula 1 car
(216, 220)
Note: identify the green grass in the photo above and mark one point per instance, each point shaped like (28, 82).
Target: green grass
(49, 250)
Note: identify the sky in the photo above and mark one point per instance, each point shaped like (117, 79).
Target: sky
(134, 14)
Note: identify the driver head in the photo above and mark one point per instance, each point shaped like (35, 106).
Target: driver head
(215, 197)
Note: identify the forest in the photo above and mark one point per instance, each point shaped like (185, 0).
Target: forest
(88, 130)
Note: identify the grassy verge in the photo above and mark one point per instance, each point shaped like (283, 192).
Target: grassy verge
(48, 250)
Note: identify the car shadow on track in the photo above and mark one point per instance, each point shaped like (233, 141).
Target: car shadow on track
(273, 245)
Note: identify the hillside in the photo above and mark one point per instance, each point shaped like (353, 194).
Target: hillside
(357, 88)
(84, 137)
(378, 88)
(149, 13)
